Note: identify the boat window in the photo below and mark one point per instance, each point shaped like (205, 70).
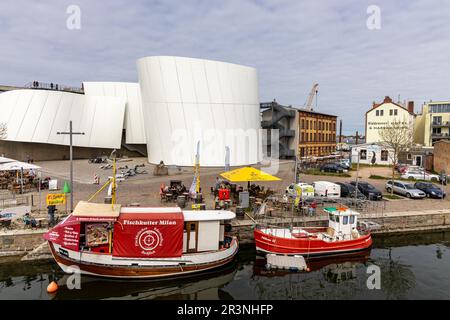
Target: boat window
(337, 219)
(345, 220)
(352, 219)
(331, 217)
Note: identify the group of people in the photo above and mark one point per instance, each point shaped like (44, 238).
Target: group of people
(30, 221)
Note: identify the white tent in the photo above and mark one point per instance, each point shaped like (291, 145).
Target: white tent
(7, 164)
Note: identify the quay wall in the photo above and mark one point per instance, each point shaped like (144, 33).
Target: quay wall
(394, 222)
(20, 242)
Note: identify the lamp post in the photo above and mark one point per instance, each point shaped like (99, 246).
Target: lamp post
(71, 133)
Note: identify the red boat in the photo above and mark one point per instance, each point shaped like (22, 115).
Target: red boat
(341, 236)
(139, 242)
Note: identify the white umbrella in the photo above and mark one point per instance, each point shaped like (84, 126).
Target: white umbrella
(17, 165)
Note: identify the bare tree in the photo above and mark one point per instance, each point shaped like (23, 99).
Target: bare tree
(3, 130)
(396, 137)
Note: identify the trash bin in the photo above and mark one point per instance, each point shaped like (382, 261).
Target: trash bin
(240, 212)
(181, 201)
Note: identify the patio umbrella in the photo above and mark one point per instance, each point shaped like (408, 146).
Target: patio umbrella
(247, 174)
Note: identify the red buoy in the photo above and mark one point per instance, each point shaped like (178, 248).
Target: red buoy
(52, 287)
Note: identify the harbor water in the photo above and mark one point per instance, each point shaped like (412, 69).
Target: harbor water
(410, 267)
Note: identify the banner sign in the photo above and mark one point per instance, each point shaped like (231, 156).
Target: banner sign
(154, 235)
(66, 234)
(56, 198)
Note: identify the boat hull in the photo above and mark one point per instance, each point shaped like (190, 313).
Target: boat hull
(267, 243)
(130, 268)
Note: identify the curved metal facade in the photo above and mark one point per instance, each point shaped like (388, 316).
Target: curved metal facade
(34, 115)
(134, 120)
(187, 100)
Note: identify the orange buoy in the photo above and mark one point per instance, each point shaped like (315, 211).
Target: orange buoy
(52, 287)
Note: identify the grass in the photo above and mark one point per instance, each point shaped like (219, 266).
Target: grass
(391, 196)
(316, 172)
(354, 165)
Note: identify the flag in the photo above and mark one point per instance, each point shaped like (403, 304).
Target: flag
(227, 158)
(195, 187)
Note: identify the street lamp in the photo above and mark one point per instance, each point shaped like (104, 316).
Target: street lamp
(71, 133)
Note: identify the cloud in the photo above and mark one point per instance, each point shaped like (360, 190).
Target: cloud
(293, 44)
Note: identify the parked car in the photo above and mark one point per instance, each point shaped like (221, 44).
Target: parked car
(326, 189)
(420, 175)
(431, 190)
(368, 190)
(348, 190)
(307, 190)
(345, 163)
(405, 189)
(332, 167)
(401, 167)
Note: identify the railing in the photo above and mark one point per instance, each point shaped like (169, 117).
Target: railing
(52, 86)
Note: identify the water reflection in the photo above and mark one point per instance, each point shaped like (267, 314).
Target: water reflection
(412, 266)
(203, 286)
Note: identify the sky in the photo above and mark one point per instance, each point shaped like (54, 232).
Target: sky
(293, 44)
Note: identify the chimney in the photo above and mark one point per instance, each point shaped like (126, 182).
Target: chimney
(374, 104)
(411, 106)
(387, 100)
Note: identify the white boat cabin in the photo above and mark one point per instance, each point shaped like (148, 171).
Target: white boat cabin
(343, 222)
(204, 230)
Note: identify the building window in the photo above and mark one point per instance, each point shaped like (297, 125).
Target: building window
(409, 156)
(377, 113)
(391, 112)
(437, 120)
(384, 155)
(395, 112)
(363, 154)
(381, 113)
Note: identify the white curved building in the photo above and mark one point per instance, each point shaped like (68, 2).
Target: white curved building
(177, 102)
(134, 120)
(187, 100)
(35, 116)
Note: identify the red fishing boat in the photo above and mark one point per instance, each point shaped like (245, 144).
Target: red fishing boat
(341, 236)
(136, 242)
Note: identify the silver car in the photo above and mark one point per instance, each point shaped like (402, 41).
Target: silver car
(405, 189)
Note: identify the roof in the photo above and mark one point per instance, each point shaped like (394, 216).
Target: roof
(388, 100)
(150, 210)
(197, 215)
(208, 215)
(338, 212)
(90, 209)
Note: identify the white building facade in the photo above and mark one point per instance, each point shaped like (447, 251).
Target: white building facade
(372, 153)
(177, 103)
(384, 114)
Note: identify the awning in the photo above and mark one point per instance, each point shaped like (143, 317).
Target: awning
(7, 164)
(248, 174)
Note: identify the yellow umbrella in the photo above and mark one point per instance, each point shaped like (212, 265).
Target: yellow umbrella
(248, 174)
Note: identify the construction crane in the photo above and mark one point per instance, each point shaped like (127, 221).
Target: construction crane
(312, 93)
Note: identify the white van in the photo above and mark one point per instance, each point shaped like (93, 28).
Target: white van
(307, 190)
(327, 189)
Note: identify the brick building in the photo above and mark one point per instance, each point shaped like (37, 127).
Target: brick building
(441, 159)
(316, 133)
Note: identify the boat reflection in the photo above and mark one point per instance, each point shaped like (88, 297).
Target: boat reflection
(335, 268)
(193, 287)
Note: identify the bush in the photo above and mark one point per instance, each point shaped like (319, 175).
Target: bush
(316, 172)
